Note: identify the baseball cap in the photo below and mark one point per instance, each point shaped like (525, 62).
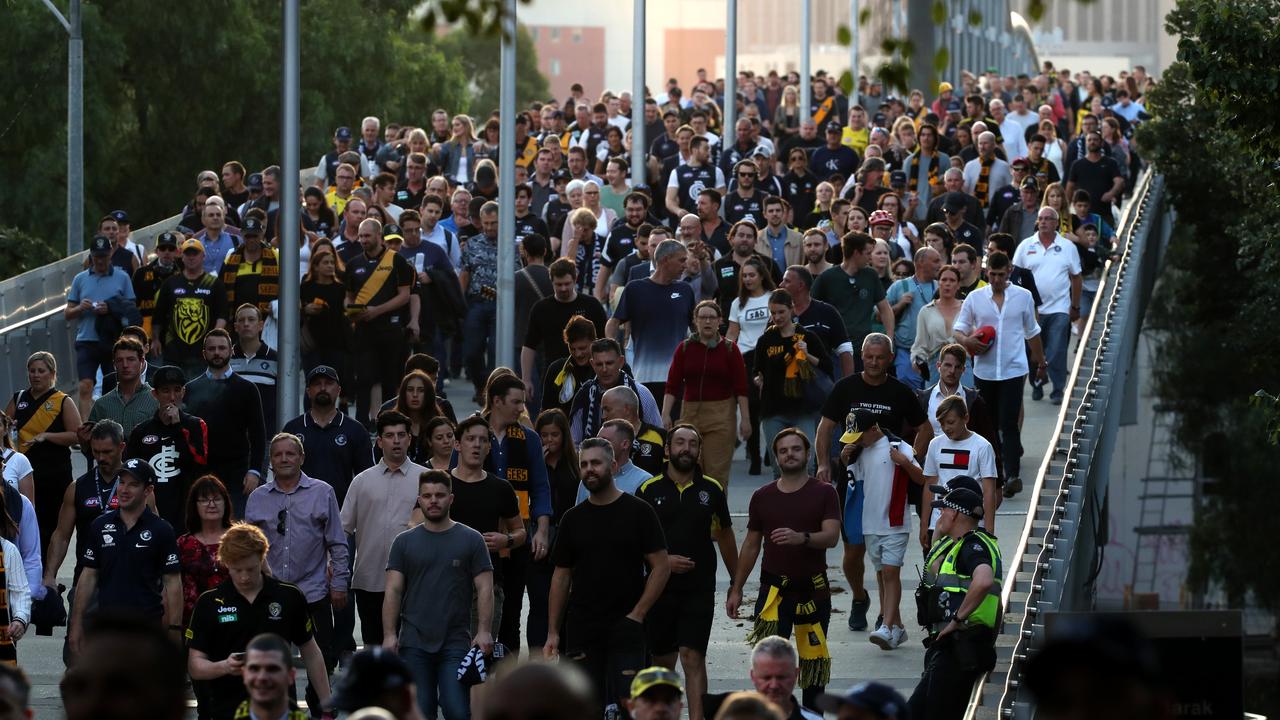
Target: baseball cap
(855, 423)
(1030, 183)
(391, 231)
(322, 371)
(954, 106)
(369, 674)
(168, 238)
(100, 245)
(141, 470)
(254, 182)
(652, 677)
(168, 376)
(881, 217)
(963, 501)
(252, 226)
(120, 216)
(561, 174)
(879, 119)
(897, 177)
(342, 133)
(1022, 162)
(191, 244)
(834, 126)
(944, 87)
(959, 482)
(875, 697)
(953, 202)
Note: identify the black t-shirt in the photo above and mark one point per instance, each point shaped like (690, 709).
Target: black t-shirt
(718, 239)
(801, 190)
(869, 199)
(648, 450)
(621, 243)
(131, 561)
(1096, 178)
(223, 622)
(361, 269)
(409, 199)
(605, 546)
(551, 390)
(528, 225)
(330, 329)
(824, 320)
(750, 208)
(483, 505)
(771, 362)
(689, 517)
(548, 317)
(892, 401)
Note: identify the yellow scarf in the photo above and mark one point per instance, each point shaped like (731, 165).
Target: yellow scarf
(914, 175)
(798, 369)
(984, 177)
(811, 641)
(376, 280)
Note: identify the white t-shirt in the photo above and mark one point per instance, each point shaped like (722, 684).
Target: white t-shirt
(948, 458)
(884, 489)
(16, 467)
(1052, 267)
(752, 318)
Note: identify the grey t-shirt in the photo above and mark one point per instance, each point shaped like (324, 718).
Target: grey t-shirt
(438, 569)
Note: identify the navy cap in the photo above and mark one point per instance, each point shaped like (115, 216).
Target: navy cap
(876, 697)
(953, 202)
(834, 126)
(100, 245)
(879, 119)
(561, 174)
(168, 238)
(959, 482)
(370, 673)
(140, 469)
(343, 133)
(120, 216)
(254, 182)
(954, 106)
(168, 376)
(897, 177)
(252, 226)
(322, 371)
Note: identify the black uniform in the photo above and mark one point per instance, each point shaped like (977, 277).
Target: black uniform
(178, 453)
(691, 182)
(185, 311)
(223, 622)
(131, 561)
(93, 497)
(648, 450)
(750, 208)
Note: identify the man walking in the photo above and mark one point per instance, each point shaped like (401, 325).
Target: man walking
(174, 443)
(1054, 261)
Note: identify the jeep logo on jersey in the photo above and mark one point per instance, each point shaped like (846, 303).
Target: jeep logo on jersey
(165, 463)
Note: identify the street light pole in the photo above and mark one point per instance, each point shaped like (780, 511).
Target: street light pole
(730, 134)
(638, 139)
(506, 324)
(806, 78)
(75, 123)
(288, 394)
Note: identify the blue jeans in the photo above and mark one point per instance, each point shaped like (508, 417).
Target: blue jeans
(436, 675)
(771, 425)
(906, 369)
(1055, 333)
(478, 331)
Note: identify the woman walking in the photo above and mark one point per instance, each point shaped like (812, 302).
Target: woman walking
(786, 369)
(748, 319)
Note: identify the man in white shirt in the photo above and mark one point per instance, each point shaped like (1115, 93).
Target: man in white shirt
(1055, 263)
(1000, 362)
(1019, 113)
(1011, 131)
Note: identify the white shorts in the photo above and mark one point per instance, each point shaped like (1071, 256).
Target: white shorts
(888, 550)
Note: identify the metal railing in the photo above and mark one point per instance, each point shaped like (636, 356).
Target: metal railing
(1054, 565)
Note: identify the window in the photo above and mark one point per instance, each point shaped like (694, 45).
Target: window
(577, 36)
(555, 67)
(555, 34)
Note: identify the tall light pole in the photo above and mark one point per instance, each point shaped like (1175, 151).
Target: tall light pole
(288, 396)
(853, 50)
(75, 124)
(638, 139)
(730, 78)
(505, 343)
(806, 82)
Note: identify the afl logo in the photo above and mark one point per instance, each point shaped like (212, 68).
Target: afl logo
(150, 439)
(23, 405)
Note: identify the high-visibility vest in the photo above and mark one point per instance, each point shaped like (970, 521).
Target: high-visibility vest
(951, 580)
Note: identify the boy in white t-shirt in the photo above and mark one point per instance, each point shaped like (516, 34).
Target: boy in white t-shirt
(877, 497)
(959, 451)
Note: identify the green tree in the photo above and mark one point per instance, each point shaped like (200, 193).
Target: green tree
(478, 55)
(174, 88)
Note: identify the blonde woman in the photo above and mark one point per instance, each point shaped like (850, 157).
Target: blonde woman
(903, 136)
(573, 194)
(457, 158)
(1055, 196)
(46, 420)
(786, 119)
(605, 217)
(1054, 148)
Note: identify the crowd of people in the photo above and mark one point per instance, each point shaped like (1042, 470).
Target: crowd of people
(856, 293)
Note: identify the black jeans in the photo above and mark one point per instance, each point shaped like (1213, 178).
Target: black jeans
(369, 605)
(947, 681)
(786, 619)
(514, 570)
(322, 619)
(610, 657)
(1004, 401)
(344, 620)
(538, 582)
(753, 408)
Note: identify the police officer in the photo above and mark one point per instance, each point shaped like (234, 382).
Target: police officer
(130, 558)
(958, 603)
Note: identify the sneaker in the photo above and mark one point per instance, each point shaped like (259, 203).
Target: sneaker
(899, 635)
(882, 638)
(1037, 391)
(858, 614)
(1055, 397)
(1013, 487)
(879, 620)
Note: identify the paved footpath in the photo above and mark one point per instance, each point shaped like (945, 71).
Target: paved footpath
(728, 659)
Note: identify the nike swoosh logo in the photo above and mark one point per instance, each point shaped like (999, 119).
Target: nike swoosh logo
(141, 546)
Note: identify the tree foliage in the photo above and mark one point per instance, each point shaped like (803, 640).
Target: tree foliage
(172, 88)
(1214, 141)
(479, 58)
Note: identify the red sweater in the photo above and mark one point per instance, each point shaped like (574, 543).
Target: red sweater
(707, 373)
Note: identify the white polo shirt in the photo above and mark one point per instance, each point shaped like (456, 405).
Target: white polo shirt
(1052, 267)
(1014, 323)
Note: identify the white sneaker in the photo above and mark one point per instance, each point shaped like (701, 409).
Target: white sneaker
(899, 635)
(882, 638)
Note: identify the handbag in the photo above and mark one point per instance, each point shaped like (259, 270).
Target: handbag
(817, 390)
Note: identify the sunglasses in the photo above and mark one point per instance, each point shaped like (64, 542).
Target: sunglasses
(281, 517)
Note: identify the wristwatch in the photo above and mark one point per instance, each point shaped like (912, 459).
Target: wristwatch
(510, 540)
(806, 538)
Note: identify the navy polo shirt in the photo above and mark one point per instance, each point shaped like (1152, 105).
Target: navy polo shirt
(335, 452)
(131, 562)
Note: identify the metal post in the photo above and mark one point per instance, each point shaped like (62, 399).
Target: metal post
(75, 132)
(729, 136)
(639, 143)
(506, 329)
(806, 77)
(288, 396)
(853, 50)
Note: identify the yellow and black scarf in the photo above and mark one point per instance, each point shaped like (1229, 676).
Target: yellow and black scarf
(811, 640)
(798, 369)
(377, 278)
(982, 189)
(517, 473)
(824, 110)
(8, 651)
(914, 176)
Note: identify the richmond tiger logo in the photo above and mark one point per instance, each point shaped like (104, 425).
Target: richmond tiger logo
(191, 320)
